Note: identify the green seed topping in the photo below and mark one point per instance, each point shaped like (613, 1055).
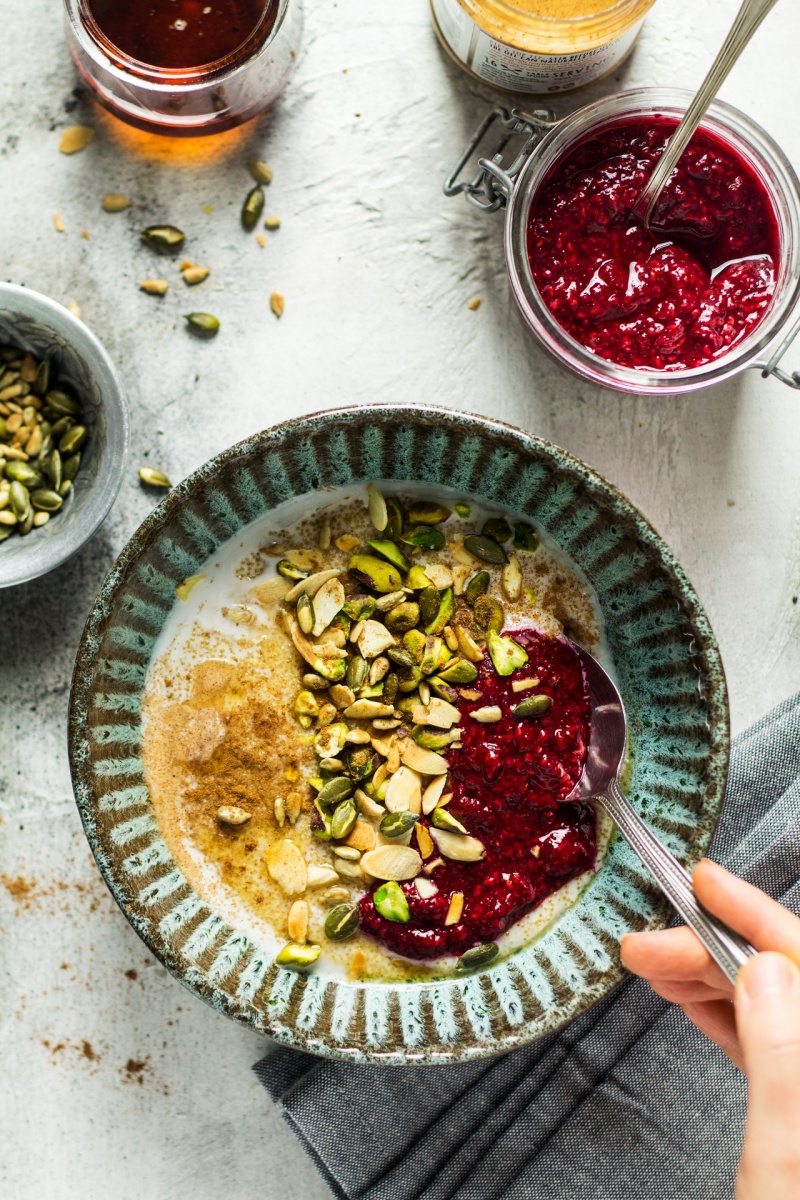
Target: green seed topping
(525, 537)
(445, 609)
(402, 617)
(507, 655)
(489, 613)
(390, 901)
(343, 819)
(396, 824)
(478, 956)
(154, 478)
(486, 549)
(533, 706)
(164, 237)
(389, 551)
(498, 529)
(305, 612)
(425, 538)
(425, 512)
(253, 207)
(477, 587)
(297, 958)
(463, 510)
(374, 573)
(341, 922)
(442, 818)
(203, 324)
(335, 791)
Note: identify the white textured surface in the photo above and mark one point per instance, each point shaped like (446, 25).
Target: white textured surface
(377, 269)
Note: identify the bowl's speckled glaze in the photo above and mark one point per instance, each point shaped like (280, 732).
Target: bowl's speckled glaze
(668, 668)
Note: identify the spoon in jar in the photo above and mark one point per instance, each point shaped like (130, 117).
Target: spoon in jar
(600, 784)
(748, 19)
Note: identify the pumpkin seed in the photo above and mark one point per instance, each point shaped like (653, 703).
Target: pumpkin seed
(73, 439)
(428, 605)
(253, 207)
(390, 552)
(343, 819)
(442, 818)
(533, 706)
(20, 500)
(498, 529)
(525, 537)
(426, 512)
(62, 403)
(153, 478)
(335, 791)
(203, 324)
(463, 510)
(296, 957)
(425, 538)
(489, 613)
(396, 824)
(46, 501)
(374, 573)
(478, 956)
(395, 517)
(390, 901)
(507, 655)
(402, 617)
(378, 512)
(477, 586)
(485, 549)
(360, 763)
(164, 237)
(391, 685)
(445, 610)
(305, 612)
(357, 671)
(26, 525)
(341, 922)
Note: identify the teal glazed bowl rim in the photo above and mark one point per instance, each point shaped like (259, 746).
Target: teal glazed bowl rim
(668, 668)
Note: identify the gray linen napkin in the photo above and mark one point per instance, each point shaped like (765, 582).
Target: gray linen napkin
(629, 1102)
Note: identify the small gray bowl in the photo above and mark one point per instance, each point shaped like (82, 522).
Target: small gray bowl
(40, 325)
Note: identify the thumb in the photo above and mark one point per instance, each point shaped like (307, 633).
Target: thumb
(768, 1022)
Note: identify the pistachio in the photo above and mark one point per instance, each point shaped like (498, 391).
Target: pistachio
(427, 762)
(433, 739)
(442, 690)
(341, 922)
(296, 957)
(486, 549)
(231, 814)
(489, 613)
(442, 818)
(525, 537)
(390, 901)
(477, 957)
(202, 324)
(343, 819)
(287, 867)
(424, 538)
(425, 512)
(305, 612)
(42, 380)
(378, 512)
(113, 202)
(414, 642)
(498, 529)
(463, 510)
(20, 472)
(388, 550)
(445, 610)
(404, 791)
(459, 671)
(460, 847)
(533, 706)
(253, 207)
(487, 715)
(512, 578)
(396, 824)
(374, 573)
(306, 708)
(467, 644)
(402, 617)
(455, 909)
(330, 741)
(432, 794)
(360, 608)
(164, 237)
(401, 656)
(297, 922)
(417, 579)
(426, 888)
(507, 655)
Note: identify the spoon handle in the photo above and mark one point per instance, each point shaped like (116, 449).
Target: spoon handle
(748, 19)
(727, 948)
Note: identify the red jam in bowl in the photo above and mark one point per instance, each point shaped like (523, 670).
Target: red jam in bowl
(670, 298)
(510, 780)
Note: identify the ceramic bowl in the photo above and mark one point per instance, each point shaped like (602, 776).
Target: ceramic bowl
(668, 668)
(40, 325)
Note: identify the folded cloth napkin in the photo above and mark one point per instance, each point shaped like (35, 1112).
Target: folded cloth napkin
(629, 1102)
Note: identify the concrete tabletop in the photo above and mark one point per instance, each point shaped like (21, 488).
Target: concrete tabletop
(115, 1082)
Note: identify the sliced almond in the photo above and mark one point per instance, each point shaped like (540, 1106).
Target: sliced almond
(306, 560)
(328, 602)
(511, 578)
(426, 888)
(460, 847)
(522, 685)
(230, 814)
(321, 876)
(379, 776)
(374, 638)
(442, 714)
(404, 791)
(297, 922)
(357, 737)
(349, 870)
(362, 836)
(463, 556)
(392, 862)
(287, 867)
(424, 841)
(384, 745)
(456, 908)
(311, 585)
(427, 762)
(368, 806)
(488, 714)
(432, 793)
(440, 576)
(378, 512)
(460, 576)
(393, 759)
(271, 590)
(467, 644)
(367, 710)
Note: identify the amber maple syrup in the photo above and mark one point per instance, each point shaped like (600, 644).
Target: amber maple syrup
(182, 34)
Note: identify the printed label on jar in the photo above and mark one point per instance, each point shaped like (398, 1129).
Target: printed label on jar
(518, 70)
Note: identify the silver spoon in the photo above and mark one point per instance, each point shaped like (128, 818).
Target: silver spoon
(748, 19)
(600, 784)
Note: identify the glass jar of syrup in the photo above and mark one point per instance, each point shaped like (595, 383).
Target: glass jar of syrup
(539, 46)
(185, 67)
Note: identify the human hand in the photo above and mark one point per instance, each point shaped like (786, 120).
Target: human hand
(760, 1031)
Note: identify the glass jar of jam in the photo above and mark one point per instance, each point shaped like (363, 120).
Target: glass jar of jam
(184, 67)
(712, 287)
(538, 46)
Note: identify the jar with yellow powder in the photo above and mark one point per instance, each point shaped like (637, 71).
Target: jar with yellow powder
(538, 46)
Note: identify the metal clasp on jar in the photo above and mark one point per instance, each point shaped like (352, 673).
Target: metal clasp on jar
(772, 365)
(492, 186)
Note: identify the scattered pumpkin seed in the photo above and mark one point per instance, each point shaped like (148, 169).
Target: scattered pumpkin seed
(164, 237)
(259, 170)
(154, 478)
(342, 922)
(396, 824)
(485, 549)
(489, 613)
(253, 207)
(478, 956)
(390, 901)
(113, 202)
(425, 512)
(533, 706)
(203, 324)
(343, 819)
